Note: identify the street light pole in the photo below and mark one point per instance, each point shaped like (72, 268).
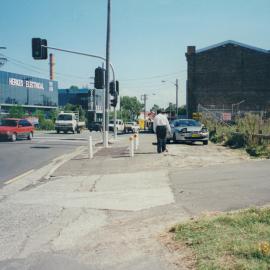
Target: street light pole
(176, 98)
(176, 94)
(107, 76)
(144, 98)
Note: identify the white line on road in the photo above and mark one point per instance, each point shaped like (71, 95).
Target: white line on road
(18, 177)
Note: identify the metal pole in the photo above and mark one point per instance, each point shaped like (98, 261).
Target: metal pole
(144, 97)
(107, 74)
(176, 85)
(114, 123)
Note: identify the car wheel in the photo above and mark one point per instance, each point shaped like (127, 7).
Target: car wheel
(65, 132)
(205, 142)
(174, 138)
(13, 137)
(57, 131)
(30, 136)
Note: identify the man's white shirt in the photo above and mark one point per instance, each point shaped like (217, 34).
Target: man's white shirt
(161, 120)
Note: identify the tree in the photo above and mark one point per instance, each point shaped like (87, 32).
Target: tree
(73, 87)
(16, 111)
(130, 107)
(155, 108)
(182, 110)
(76, 108)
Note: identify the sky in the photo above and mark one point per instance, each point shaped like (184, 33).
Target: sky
(148, 38)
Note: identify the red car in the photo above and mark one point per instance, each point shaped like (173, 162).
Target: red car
(12, 128)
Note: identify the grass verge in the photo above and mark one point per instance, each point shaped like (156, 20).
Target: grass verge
(239, 241)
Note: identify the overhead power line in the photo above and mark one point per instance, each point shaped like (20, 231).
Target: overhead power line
(154, 77)
(40, 70)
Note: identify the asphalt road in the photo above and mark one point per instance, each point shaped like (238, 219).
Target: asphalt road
(21, 156)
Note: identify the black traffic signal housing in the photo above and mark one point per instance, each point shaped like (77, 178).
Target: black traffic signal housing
(114, 92)
(114, 100)
(114, 88)
(38, 51)
(99, 78)
(117, 87)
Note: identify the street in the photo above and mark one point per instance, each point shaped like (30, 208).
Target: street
(22, 156)
(110, 212)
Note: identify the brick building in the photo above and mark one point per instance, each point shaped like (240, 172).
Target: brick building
(226, 74)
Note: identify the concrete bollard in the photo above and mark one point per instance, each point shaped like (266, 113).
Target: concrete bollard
(90, 147)
(131, 147)
(136, 141)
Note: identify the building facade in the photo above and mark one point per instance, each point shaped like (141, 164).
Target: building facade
(30, 92)
(228, 74)
(91, 100)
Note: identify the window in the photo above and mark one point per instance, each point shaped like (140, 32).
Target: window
(8, 123)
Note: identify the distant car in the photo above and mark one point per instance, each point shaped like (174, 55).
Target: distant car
(120, 127)
(13, 128)
(188, 130)
(131, 127)
(95, 126)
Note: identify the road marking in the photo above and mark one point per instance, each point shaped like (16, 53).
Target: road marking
(18, 177)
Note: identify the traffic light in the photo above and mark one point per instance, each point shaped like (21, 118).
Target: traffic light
(114, 100)
(117, 87)
(112, 88)
(99, 78)
(38, 51)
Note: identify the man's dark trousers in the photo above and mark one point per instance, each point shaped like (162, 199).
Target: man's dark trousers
(161, 132)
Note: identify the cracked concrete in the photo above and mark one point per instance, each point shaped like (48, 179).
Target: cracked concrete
(109, 212)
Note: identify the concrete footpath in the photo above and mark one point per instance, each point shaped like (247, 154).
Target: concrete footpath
(112, 211)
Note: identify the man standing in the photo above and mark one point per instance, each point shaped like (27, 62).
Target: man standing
(161, 126)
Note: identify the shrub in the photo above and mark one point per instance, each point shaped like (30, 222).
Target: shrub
(236, 140)
(46, 124)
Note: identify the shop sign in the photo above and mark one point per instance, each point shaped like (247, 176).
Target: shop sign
(25, 83)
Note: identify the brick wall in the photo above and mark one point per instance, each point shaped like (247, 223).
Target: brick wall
(226, 75)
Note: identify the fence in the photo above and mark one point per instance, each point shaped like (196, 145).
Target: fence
(227, 115)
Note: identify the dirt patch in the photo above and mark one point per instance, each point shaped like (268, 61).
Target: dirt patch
(178, 253)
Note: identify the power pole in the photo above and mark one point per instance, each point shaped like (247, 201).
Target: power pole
(176, 99)
(144, 98)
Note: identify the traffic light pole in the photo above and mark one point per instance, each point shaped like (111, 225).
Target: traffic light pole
(107, 76)
(107, 96)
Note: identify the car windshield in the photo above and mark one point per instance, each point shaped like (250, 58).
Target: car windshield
(64, 117)
(186, 123)
(8, 123)
(130, 123)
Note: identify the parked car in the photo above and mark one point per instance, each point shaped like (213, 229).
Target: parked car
(188, 130)
(13, 128)
(131, 127)
(95, 126)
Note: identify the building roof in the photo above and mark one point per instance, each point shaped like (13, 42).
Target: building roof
(233, 43)
(74, 91)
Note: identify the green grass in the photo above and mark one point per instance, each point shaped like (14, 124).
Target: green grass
(228, 241)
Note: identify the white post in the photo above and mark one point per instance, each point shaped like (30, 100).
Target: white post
(136, 141)
(90, 147)
(131, 147)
